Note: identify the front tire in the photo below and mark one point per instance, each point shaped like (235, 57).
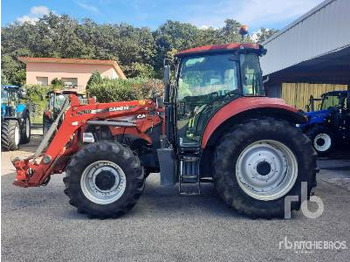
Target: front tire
(10, 135)
(104, 179)
(259, 163)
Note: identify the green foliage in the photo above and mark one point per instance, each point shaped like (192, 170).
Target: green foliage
(125, 89)
(138, 50)
(264, 34)
(4, 80)
(137, 69)
(36, 99)
(94, 79)
(57, 83)
(19, 77)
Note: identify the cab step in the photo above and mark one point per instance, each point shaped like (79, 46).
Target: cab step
(189, 176)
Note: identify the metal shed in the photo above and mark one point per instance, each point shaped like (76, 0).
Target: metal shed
(313, 49)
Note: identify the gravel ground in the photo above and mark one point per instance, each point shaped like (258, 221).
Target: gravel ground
(39, 224)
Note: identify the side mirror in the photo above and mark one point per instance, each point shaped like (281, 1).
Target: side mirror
(159, 102)
(166, 82)
(22, 92)
(307, 108)
(166, 77)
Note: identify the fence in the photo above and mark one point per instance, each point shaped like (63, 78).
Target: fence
(298, 94)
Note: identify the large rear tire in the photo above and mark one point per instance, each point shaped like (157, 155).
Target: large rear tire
(104, 179)
(10, 135)
(26, 131)
(259, 163)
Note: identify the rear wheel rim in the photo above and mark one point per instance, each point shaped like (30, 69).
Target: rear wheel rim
(266, 170)
(17, 135)
(103, 182)
(322, 142)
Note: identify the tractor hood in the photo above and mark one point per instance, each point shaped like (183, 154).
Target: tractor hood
(3, 110)
(317, 116)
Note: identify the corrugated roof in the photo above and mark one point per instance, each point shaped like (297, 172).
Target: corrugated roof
(299, 20)
(321, 31)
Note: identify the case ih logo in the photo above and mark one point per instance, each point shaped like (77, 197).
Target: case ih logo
(119, 108)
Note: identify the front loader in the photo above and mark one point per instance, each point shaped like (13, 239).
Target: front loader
(214, 125)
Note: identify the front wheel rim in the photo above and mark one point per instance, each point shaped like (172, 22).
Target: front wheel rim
(103, 182)
(266, 170)
(322, 142)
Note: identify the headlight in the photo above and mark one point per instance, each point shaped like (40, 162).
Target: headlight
(88, 138)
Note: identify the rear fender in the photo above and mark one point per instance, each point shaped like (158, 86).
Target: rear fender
(245, 108)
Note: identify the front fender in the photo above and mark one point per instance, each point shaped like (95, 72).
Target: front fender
(21, 108)
(254, 107)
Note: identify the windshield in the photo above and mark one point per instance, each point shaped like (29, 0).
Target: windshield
(59, 101)
(9, 97)
(4, 98)
(330, 101)
(251, 75)
(203, 75)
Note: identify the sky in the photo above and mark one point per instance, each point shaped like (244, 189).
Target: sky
(202, 13)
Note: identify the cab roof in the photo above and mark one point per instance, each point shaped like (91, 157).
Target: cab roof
(340, 92)
(208, 49)
(66, 91)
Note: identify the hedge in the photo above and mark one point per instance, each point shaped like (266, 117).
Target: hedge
(36, 101)
(107, 90)
(110, 90)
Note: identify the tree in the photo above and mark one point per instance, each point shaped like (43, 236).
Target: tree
(174, 35)
(137, 69)
(230, 32)
(138, 50)
(4, 80)
(57, 83)
(264, 33)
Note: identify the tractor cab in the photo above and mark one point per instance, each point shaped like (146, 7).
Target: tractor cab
(215, 88)
(9, 100)
(335, 99)
(207, 79)
(55, 101)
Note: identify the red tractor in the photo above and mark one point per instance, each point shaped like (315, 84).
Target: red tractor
(214, 125)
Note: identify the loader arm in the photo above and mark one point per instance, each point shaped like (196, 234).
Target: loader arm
(36, 170)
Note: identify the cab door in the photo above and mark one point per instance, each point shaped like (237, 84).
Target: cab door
(206, 83)
(347, 116)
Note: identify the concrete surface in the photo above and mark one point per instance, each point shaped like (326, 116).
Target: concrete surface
(38, 224)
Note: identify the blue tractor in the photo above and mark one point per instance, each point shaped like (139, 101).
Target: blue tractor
(15, 118)
(330, 124)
